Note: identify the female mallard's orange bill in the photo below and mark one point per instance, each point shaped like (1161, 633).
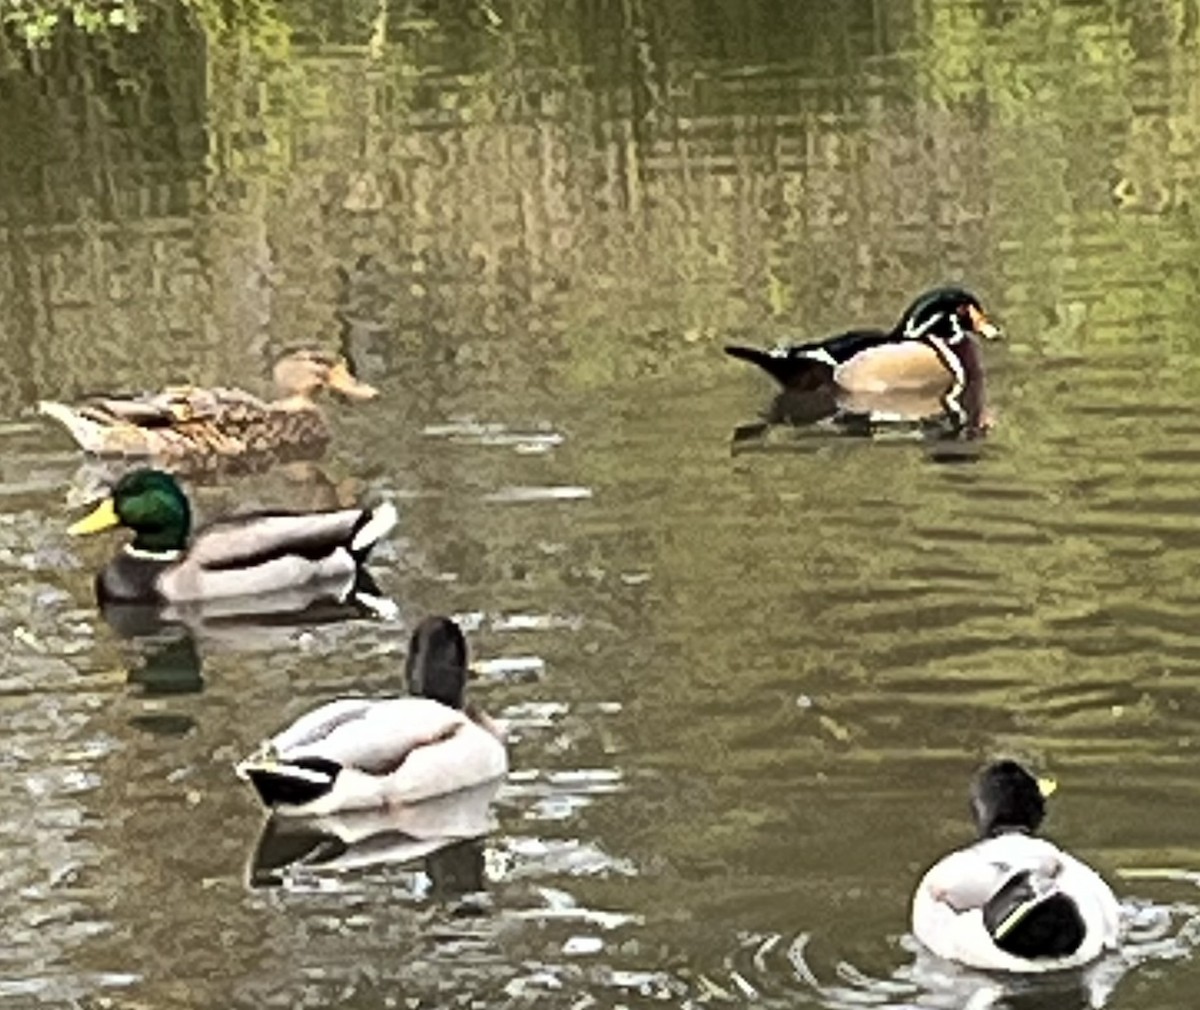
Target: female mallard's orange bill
(102, 517)
(341, 381)
(982, 325)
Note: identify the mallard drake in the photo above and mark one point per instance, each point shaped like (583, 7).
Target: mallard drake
(931, 347)
(243, 555)
(191, 423)
(1013, 901)
(362, 753)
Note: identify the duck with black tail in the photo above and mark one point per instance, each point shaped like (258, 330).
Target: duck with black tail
(1013, 901)
(380, 753)
(932, 352)
(257, 554)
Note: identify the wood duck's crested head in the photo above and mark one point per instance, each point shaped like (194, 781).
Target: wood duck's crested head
(949, 313)
(1005, 796)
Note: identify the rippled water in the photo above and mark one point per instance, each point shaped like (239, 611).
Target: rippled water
(747, 684)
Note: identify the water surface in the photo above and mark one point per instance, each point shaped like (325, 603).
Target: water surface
(749, 687)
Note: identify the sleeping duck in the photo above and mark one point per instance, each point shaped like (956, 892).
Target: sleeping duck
(194, 425)
(364, 754)
(248, 555)
(930, 348)
(1013, 901)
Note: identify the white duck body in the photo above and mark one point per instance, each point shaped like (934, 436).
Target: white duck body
(391, 752)
(947, 910)
(364, 754)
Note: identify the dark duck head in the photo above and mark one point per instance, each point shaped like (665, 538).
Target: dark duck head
(951, 313)
(436, 664)
(1006, 797)
(151, 504)
(1028, 917)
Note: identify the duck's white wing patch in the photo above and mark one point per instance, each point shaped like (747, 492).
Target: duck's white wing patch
(383, 519)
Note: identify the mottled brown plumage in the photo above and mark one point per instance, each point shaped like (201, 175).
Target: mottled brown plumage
(183, 425)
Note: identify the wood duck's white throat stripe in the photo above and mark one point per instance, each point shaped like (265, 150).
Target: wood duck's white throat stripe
(912, 332)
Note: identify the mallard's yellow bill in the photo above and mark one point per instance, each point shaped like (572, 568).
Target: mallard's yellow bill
(1046, 787)
(102, 517)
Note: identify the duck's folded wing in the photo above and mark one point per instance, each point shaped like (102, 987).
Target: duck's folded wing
(381, 738)
(963, 880)
(243, 541)
(314, 726)
(145, 412)
(467, 758)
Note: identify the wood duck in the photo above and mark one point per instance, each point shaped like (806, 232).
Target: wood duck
(931, 347)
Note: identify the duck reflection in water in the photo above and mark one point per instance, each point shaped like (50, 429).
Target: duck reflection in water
(926, 374)
(446, 833)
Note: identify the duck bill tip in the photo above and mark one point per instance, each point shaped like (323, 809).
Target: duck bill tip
(342, 382)
(983, 326)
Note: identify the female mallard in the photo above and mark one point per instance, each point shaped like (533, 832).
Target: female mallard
(193, 424)
(361, 754)
(931, 347)
(1012, 901)
(246, 555)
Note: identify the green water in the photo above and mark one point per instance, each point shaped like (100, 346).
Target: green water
(763, 678)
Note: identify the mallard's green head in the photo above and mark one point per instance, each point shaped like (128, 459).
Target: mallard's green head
(149, 502)
(948, 313)
(1006, 797)
(436, 665)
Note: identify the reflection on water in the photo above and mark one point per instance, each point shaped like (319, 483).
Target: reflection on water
(750, 684)
(352, 841)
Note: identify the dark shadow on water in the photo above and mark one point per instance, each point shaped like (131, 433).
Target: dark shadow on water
(168, 668)
(935, 420)
(446, 833)
(166, 654)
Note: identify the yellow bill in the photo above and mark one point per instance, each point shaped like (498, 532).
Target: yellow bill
(102, 517)
(1046, 787)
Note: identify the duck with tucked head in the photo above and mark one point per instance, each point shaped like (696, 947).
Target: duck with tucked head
(369, 754)
(932, 349)
(194, 425)
(1013, 901)
(238, 556)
